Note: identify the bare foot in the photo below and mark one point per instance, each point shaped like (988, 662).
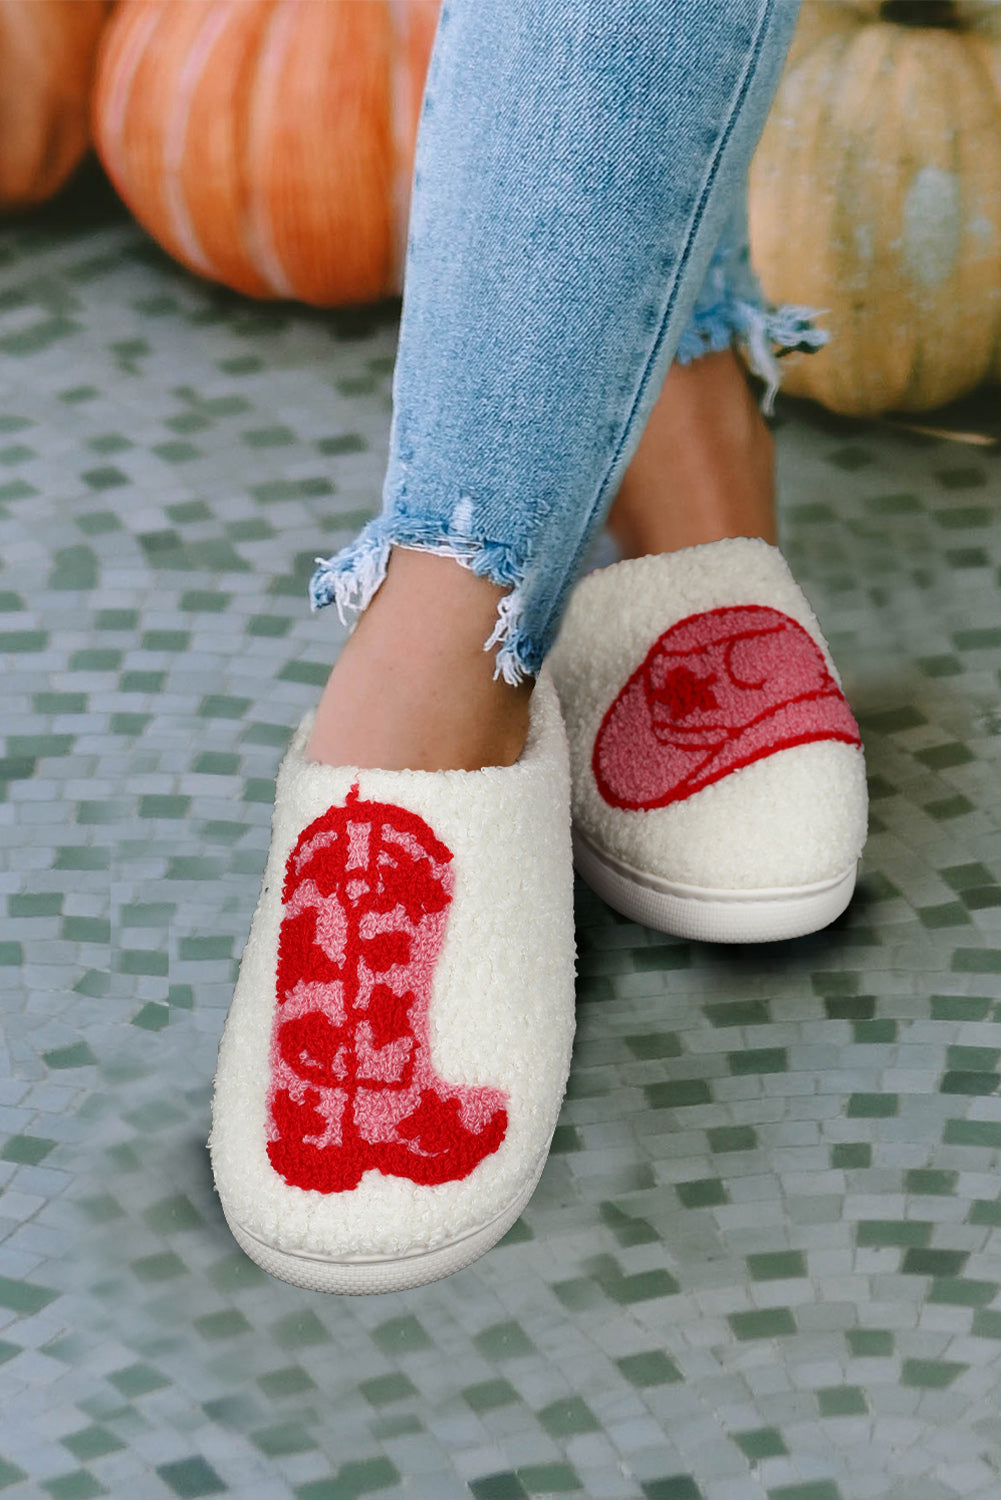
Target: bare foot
(413, 688)
(704, 467)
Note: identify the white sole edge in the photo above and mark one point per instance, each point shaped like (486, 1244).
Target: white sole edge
(354, 1275)
(707, 915)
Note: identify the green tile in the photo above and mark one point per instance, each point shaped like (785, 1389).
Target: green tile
(78, 1485)
(141, 682)
(152, 1016)
(627, 1229)
(289, 1381)
(969, 1083)
(22, 905)
(299, 1330)
(762, 1323)
(662, 957)
(205, 601)
(701, 1192)
(78, 1055)
(490, 1394)
(98, 522)
(386, 1388)
(776, 1265)
(161, 1267)
(74, 568)
(869, 1032)
(27, 1150)
(677, 1093)
(24, 1296)
(578, 1294)
(10, 1474)
(173, 1215)
(222, 706)
(959, 1007)
(893, 720)
(86, 929)
(191, 1477)
(972, 1133)
(985, 1211)
(549, 1479)
(501, 1486)
(870, 1343)
(344, 442)
(310, 673)
(810, 1489)
(986, 1325)
(963, 877)
(352, 1480)
(268, 625)
(758, 1060)
(841, 1401)
(643, 1286)
(92, 1442)
(760, 1443)
(871, 1106)
(500, 1341)
(276, 436)
(930, 1374)
(654, 1044)
(672, 1487)
(165, 640)
(18, 641)
(906, 1233)
(931, 1181)
(948, 914)
(10, 603)
(976, 961)
(142, 961)
(283, 1438)
(202, 949)
(105, 478)
(723, 1138)
(96, 659)
(949, 807)
(568, 1417)
(227, 1324)
(11, 955)
(274, 735)
(738, 1013)
(962, 1291)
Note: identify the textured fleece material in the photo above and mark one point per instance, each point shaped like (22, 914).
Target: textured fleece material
(792, 818)
(500, 1006)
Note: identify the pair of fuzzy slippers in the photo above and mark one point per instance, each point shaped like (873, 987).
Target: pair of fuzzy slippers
(398, 1046)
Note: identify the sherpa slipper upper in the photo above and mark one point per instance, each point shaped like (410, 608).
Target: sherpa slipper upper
(718, 777)
(398, 1045)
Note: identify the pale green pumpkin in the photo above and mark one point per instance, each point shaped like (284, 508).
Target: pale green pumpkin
(876, 196)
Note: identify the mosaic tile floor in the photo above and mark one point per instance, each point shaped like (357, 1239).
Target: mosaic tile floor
(764, 1259)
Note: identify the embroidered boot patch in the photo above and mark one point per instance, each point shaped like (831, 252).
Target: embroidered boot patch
(366, 897)
(716, 692)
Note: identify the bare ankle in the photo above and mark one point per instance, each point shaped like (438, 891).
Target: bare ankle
(704, 467)
(413, 688)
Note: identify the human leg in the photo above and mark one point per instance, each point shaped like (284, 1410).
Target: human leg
(704, 466)
(565, 213)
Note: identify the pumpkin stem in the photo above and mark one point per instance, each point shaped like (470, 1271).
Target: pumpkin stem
(920, 12)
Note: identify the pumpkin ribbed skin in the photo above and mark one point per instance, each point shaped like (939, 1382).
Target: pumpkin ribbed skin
(876, 195)
(47, 50)
(268, 144)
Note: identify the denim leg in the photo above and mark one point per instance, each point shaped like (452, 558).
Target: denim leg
(731, 309)
(576, 164)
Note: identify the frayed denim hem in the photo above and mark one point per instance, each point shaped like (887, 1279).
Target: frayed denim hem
(350, 578)
(764, 334)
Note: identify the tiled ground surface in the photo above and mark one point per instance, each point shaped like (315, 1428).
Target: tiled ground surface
(764, 1259)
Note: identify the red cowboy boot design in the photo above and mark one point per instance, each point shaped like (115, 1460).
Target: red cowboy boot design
(366, 897)
(716, 692)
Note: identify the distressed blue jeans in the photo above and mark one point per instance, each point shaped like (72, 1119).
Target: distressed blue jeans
(577, 221)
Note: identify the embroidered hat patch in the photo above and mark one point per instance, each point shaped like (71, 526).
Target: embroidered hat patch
(366, 897)
(716, 692)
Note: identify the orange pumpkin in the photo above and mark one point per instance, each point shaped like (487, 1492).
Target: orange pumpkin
(47, 50)
(268, 144)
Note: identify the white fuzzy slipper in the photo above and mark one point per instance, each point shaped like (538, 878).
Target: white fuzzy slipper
(396, 1052)
(718, 777)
